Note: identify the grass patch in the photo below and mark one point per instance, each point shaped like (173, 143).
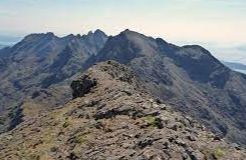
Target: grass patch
(218, 153)
(150, 120)
(154, 121)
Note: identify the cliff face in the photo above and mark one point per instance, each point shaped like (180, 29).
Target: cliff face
(113, 117)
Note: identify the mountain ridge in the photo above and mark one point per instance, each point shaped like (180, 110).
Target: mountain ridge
(199, 73)
(112, 116)
(188, 78)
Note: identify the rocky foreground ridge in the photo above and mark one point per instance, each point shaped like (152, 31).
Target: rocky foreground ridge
(113, 117)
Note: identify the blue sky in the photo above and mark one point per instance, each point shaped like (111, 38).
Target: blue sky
(219, 25)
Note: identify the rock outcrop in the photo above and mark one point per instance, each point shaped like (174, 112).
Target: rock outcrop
(113, 117)
(82, 86)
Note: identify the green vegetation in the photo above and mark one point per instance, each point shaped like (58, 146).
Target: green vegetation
(150, 120)
(218, 153)
(154, 121)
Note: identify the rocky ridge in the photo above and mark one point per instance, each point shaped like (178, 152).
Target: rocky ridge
(36, 73)
(112, 116)
(189, 78)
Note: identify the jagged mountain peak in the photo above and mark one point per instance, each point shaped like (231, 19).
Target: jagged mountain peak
(128, 32)
(97, 37)
(126, 46)
(99, 31)
(71, 36)
(50, 36)
(38, 36)
(95, 33)
(134, 35)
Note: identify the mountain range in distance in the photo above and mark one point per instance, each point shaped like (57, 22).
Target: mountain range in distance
(2, 46)
(236, 66)
(36, 73)
(6, 41)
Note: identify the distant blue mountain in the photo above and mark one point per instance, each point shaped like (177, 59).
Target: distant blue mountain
(236, 66)
(2, 46)
(8, 40)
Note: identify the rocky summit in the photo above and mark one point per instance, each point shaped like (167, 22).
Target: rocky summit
(112, 116)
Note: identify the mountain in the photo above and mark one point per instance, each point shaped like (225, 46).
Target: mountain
(36, 69)
(236, 66)
(8, 39)
(36, 74)
(189, 78)
(113, 117)
(2, 46)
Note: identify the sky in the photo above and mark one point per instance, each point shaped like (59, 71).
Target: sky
(219, 25)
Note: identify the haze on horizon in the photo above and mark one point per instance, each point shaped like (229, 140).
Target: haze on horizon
(216, 24)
